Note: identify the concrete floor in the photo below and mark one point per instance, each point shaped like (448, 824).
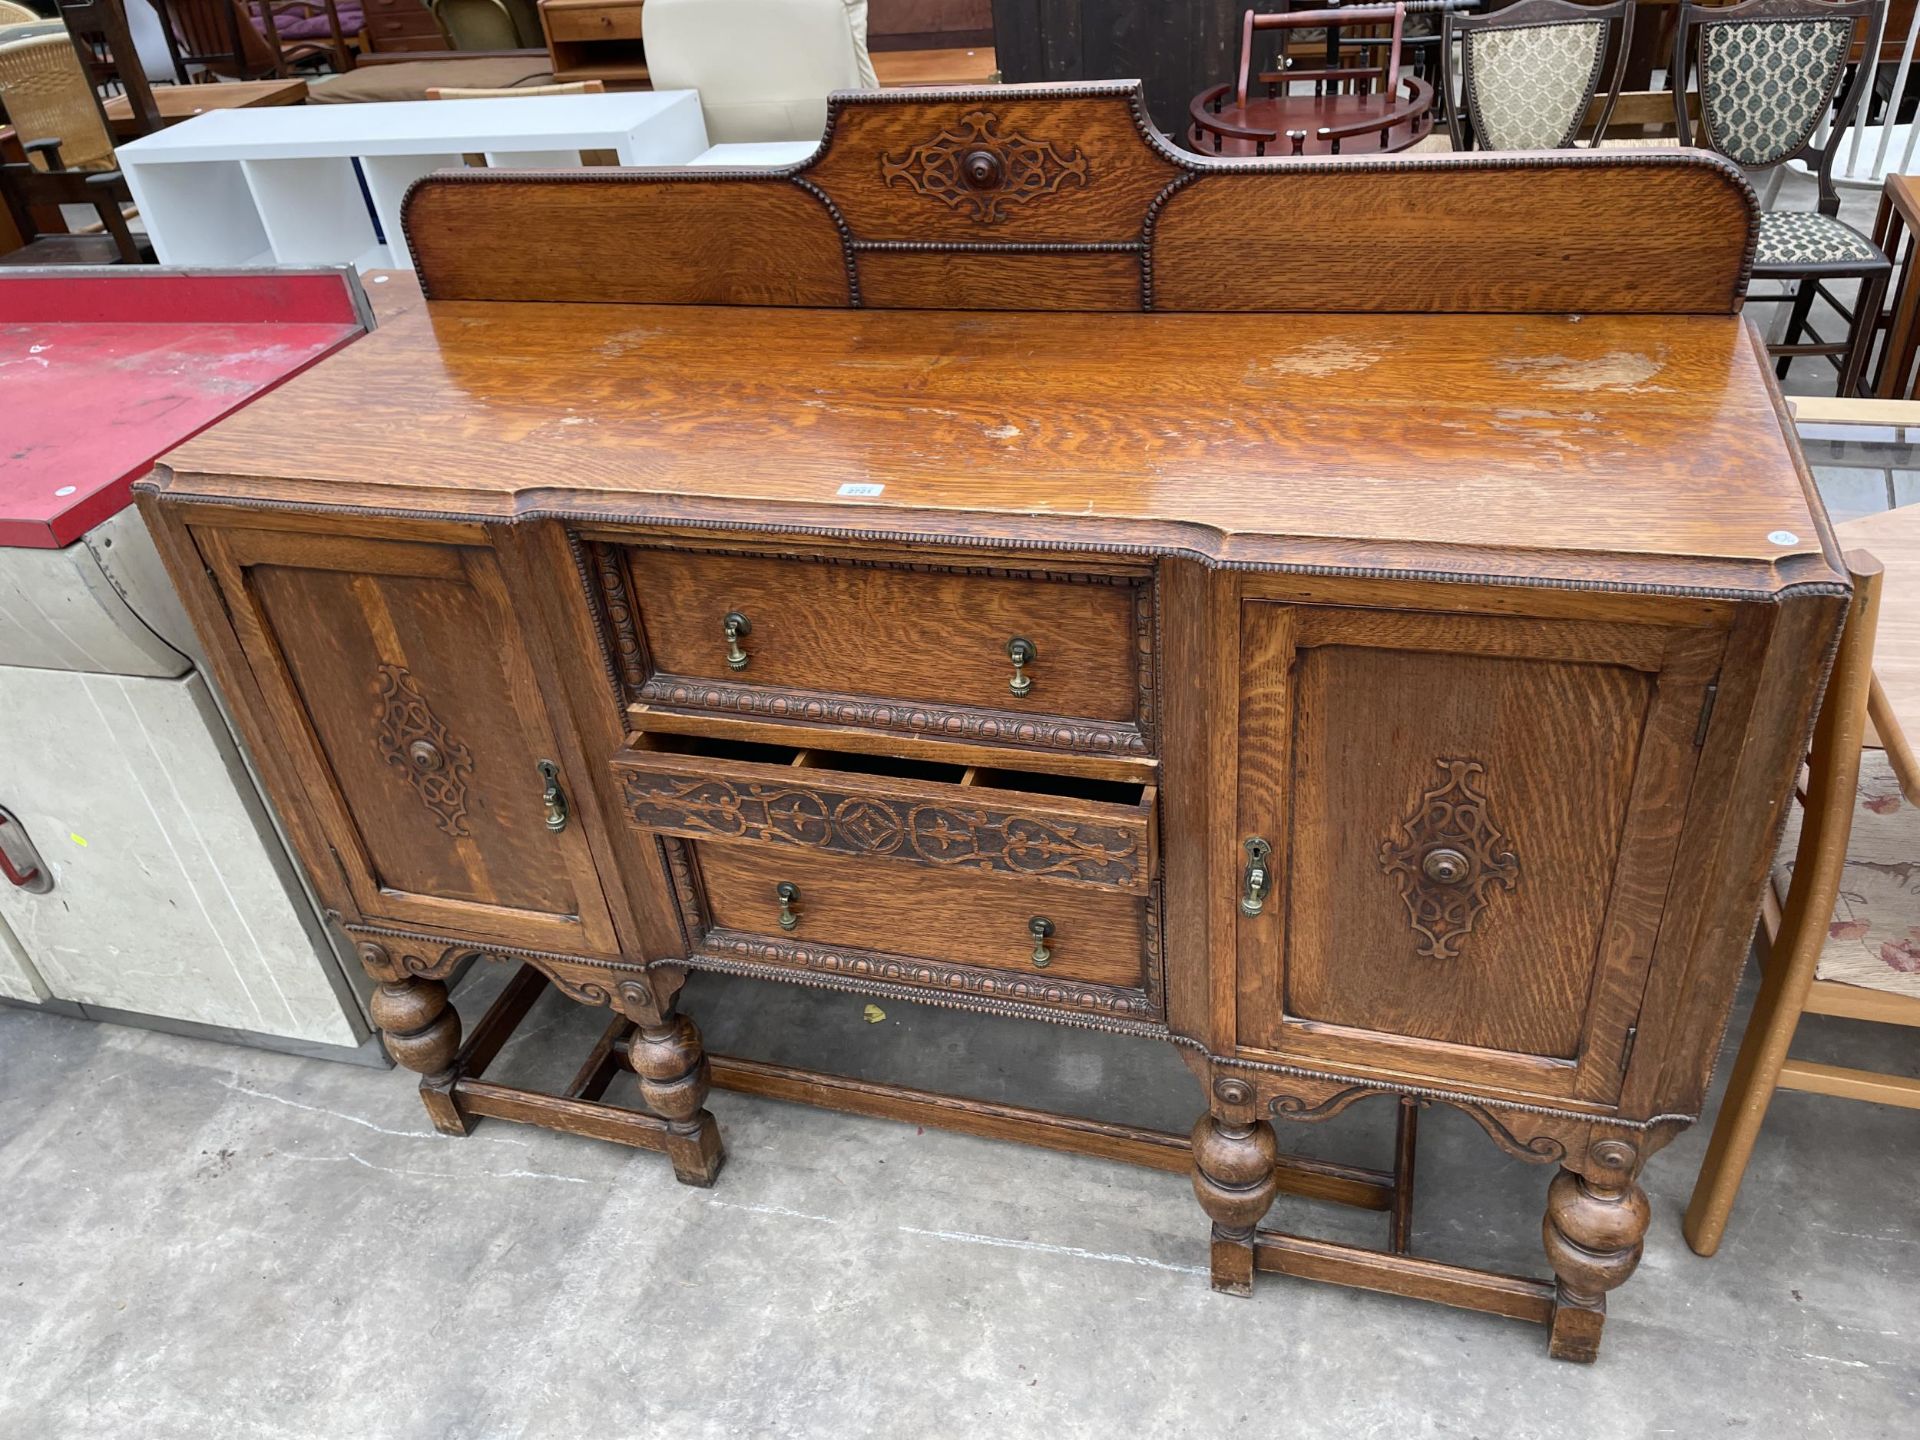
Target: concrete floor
(203, 1241)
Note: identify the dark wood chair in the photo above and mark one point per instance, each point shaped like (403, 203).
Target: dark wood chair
(98, 29)
(25, 189)
(209, 38)
(1768, 71)
(1529, 73)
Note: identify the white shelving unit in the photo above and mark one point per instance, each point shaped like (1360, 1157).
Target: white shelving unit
(255, 188)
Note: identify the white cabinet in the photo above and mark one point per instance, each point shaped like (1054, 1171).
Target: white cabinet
(323, 184)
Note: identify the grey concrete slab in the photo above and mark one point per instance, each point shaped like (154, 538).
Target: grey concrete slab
(208, 1241)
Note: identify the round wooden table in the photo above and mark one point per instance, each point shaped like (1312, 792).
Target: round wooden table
(1340, 124)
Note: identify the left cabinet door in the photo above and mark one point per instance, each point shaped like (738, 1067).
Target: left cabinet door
(397, 682)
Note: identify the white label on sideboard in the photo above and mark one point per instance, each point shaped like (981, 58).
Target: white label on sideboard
(864, 490)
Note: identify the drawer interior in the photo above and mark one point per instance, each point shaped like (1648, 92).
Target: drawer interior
(1024, 782)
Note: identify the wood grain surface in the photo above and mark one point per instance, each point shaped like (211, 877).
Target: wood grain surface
(1602, 436)
(996, 174)
(899, 909)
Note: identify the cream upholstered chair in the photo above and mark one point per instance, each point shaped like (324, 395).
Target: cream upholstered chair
(47, 97)
(764, 69)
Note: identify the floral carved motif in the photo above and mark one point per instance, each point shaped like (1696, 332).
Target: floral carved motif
(410, 736)
(1446, 856)
(963, 836)
(976, 167)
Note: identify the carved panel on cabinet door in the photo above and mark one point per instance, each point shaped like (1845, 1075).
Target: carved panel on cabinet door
(1446, 856)
(959, 836)
(413, 739)
(974, 166)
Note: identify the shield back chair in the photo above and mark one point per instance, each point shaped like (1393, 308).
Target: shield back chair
(1843, 920)
(1529, 73)
(48, 97)
(1768, 74)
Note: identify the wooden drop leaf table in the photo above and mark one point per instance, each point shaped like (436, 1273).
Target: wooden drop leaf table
(944, 569)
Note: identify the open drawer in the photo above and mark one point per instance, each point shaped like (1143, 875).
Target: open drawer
(1054, 829)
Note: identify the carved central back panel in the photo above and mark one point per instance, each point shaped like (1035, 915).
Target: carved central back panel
(1064, 197)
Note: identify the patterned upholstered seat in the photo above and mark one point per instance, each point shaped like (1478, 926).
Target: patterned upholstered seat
(1873, 939)
(1806, 237)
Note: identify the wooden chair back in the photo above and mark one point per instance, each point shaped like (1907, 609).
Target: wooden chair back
(208, 38)
(571, 87)
(104, 44)
(1560, 33)
(1738, 51)
(47, 97)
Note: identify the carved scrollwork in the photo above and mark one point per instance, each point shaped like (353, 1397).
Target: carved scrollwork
(971, 837)
(933, 975)
(410, 736)
(978, 167)
(1446, 855)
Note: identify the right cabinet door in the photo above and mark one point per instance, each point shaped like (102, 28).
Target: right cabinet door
(1469, 825)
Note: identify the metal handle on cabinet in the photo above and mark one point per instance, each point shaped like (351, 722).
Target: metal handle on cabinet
(734, 627)
(788, 894)
(1445, 866)
(553, 797)
(1259, 881)
(19, 861)
(1022, 653)
(1041, 929)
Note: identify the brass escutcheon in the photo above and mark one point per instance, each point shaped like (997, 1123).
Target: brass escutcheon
(553, 797)
(1445, 867)
(1259, 880)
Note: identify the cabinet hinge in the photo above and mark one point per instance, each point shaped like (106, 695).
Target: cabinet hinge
(1626, 1050)
(1706, 714)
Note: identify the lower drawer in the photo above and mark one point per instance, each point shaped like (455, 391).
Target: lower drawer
(884, 920)
(592, 22)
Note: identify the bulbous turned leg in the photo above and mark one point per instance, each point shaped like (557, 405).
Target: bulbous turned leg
(422, 1032)
(667, 1056)
(1235, 1180)
(1593, 1231)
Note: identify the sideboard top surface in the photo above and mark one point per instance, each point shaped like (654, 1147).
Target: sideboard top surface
(1654, 436)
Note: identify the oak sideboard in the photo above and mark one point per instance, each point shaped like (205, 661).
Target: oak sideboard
(1356, 622)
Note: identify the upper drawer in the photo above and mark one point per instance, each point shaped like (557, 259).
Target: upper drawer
(909, 648)
(592, 22)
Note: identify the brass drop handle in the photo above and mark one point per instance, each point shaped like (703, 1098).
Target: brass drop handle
(1041, 929)
(1022, 653)
(1259, 880)
(788, 894)
(553, 797)
(1445, 866)
(735, 626)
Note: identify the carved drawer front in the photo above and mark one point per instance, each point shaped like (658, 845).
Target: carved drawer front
(1025, 659)
(971, 934)
(1471, 823)
(409, 720)
(961, 820)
